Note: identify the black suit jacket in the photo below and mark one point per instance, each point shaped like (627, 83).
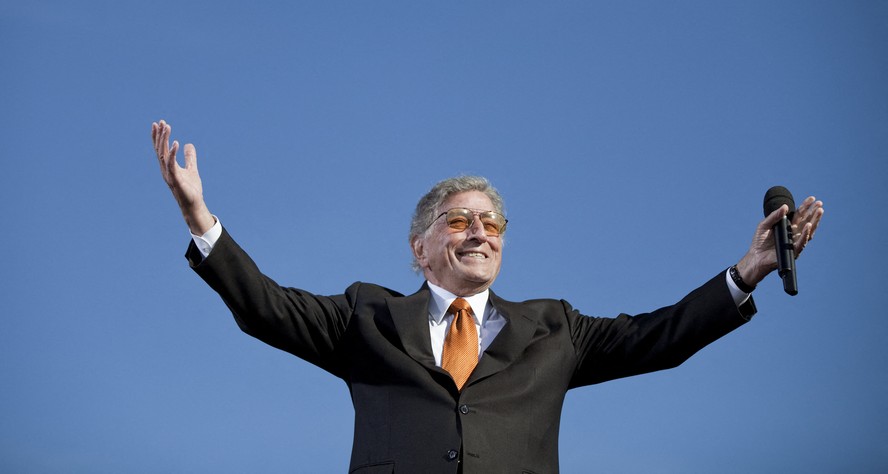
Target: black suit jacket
(409, 415)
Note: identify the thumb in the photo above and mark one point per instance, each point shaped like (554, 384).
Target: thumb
(768, 222)
(190, 156)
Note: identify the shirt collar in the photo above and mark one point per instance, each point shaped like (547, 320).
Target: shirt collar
(442, 299)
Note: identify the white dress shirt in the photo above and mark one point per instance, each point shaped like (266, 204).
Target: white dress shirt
(488, 324)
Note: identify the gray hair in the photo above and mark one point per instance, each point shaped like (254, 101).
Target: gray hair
(427, 208)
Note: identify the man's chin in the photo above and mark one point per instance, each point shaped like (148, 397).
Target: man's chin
(480, 280)
(477, 275)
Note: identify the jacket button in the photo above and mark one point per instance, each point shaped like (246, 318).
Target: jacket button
(464, 409)
(452, 454)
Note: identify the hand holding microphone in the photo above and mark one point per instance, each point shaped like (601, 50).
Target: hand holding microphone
(780, 238)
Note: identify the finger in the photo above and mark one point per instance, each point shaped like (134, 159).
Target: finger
(155, 137)
(812, 213)
(169, 153)
(803, 239)
(806, 204)
(171, 159)
(815, 221)
(774, 217)
(190, 156)
(810, 205)
(165, 139)
(802, 212)
(161, 138)
(159, 145)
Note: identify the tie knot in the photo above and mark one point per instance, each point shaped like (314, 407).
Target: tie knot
(460, 304)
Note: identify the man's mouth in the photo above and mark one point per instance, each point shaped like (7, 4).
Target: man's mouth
(472, 254)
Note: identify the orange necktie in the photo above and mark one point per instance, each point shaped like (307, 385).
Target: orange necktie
(460, 354)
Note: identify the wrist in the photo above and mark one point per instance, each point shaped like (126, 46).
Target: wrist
(751, 271)
(199, 221)
(738, 279)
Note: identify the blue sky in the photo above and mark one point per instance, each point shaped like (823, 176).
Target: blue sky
(633, 142)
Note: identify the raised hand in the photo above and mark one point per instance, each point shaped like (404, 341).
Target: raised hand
(184, 183)
(761, 259)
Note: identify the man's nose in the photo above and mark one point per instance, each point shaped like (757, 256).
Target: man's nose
(476, 231)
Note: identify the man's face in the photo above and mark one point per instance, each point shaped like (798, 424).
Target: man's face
(462, 262)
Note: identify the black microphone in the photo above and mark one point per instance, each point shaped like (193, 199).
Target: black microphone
(774, 198)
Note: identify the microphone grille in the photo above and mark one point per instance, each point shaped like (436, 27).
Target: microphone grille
(776, 197)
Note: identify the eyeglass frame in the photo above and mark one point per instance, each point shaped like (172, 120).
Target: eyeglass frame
(476, 213)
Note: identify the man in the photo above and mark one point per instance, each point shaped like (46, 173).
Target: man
(453, 378)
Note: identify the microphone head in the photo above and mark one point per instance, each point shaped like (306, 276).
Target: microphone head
(776, 197)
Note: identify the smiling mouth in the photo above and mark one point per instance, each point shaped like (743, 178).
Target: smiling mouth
(472, 255)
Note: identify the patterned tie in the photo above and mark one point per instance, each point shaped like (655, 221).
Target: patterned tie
(460, 354)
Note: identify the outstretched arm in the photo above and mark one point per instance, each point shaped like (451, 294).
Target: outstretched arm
(761, 259)
(184, 182)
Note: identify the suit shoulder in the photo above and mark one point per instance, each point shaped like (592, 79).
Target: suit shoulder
(532, 302)
(370, 290)
(534, 308)
(542, 302)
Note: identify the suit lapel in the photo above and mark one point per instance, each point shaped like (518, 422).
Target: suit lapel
(410, 316)
(509, 343)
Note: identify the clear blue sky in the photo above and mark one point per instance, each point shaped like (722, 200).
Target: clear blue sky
(633, 142)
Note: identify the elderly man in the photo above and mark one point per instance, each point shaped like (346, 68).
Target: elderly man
(454, 378)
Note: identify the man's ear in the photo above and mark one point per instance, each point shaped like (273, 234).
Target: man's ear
(418, 250)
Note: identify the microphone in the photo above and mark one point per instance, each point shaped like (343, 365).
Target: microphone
(774, 198)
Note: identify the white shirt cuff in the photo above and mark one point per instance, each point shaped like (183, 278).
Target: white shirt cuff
(206, 242)
(739, 296)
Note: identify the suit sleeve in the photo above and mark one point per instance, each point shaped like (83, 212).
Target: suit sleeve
(611, 348)
(296, 321)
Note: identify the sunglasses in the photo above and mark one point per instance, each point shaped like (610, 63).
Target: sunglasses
(460, 219)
